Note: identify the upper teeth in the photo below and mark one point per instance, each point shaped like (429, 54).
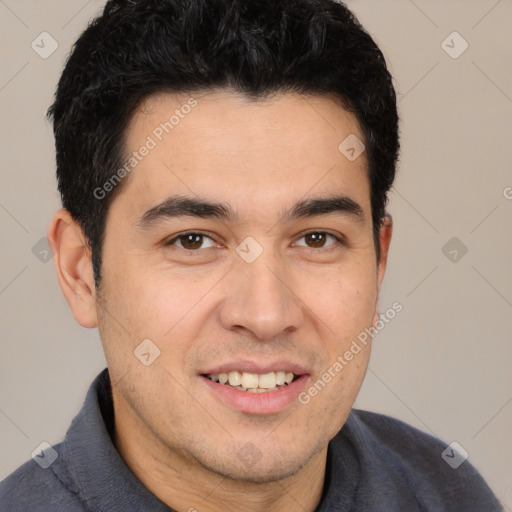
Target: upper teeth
(253, 380)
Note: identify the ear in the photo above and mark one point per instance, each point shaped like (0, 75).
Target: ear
(385, 232)
(72, 258)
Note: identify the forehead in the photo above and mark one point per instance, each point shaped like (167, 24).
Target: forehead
(241, 150)
(237, 122)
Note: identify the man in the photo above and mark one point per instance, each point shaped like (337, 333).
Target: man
(223, 167)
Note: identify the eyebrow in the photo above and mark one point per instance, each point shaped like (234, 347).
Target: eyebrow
(179, 206)
(341, 204)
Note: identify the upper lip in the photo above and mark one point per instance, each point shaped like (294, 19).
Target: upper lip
(249, 366)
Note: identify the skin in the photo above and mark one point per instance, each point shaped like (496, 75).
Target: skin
(298, 301)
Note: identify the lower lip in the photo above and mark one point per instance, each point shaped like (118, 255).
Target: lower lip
(270, 402)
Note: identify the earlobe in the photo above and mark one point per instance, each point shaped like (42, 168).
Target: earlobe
(72, 259)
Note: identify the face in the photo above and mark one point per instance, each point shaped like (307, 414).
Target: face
(241, 247)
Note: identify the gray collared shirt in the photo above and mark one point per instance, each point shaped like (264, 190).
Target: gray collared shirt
(374, 464)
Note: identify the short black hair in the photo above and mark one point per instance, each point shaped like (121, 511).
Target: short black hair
(137, 48)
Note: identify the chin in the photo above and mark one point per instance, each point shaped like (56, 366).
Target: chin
(257, 468)
(263, 473)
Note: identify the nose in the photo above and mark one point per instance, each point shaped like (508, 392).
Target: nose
(260, 301)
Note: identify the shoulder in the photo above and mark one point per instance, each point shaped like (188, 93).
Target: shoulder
(395, 437)
(32, 488)
(433, 471)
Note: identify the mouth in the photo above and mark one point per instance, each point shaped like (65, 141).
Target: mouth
(254, 382)
(253, 388)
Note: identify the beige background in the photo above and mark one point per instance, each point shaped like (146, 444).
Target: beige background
(443, 364)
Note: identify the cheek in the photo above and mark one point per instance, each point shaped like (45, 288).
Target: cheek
(165, 307)
(344, 300)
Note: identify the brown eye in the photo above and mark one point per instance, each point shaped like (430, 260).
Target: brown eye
(315, 239)
(318, 240)
(191, 241)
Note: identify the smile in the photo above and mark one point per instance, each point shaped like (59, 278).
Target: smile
(254, 382)
(252, 388)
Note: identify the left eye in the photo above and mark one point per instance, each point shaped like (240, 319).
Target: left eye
(191, 241)
(317, 239)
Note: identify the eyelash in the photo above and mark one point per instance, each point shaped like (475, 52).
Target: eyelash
(338, 240)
